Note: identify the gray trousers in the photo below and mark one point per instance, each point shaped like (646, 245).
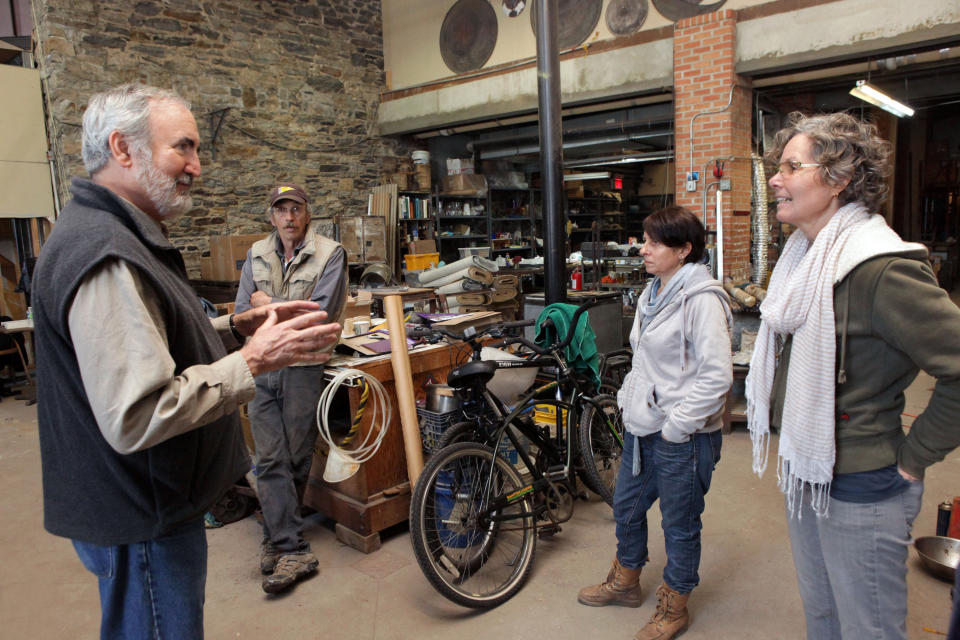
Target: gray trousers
(283, 422)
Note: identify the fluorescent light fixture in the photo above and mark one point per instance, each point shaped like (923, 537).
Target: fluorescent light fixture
(596, 175)
(605, 162)
(874, 96)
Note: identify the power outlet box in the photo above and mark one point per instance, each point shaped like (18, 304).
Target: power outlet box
(725, 184)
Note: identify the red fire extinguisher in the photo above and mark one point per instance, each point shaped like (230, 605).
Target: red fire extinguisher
(576, 280)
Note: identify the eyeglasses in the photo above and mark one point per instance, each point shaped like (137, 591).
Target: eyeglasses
(293, 210)
(790, 166)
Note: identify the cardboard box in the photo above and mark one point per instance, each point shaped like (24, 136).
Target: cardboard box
(423, 177)
(358, 305)
(465, 183)
(206, 269)
(423, 246)
(402, 180)
(457, 166)
(364, 238)
(458, 322)
(227, 255)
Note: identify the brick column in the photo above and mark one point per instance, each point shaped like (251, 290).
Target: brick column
(703, 74)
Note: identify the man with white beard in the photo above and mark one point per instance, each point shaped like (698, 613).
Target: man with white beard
(137, 397)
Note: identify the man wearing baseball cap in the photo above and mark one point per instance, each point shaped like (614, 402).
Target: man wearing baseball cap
(292, 263)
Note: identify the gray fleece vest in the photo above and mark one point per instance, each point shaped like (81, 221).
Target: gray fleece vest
(91, 492)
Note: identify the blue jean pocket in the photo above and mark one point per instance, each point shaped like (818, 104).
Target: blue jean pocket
(98, 560)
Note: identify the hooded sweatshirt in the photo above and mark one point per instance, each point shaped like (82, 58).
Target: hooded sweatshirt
(682, 367)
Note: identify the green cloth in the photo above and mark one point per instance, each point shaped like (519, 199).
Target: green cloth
(581, 353)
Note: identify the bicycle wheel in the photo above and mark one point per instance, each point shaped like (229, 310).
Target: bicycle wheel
(473, 556)
(460, 432)
(601, 436)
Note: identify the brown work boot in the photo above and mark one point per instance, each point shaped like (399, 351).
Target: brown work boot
(290, 568)
(268, 557)
(671, 618)
(622, 587)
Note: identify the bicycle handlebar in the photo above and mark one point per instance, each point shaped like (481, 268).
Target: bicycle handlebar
(472, 334)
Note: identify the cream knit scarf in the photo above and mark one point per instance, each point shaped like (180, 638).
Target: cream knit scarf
(800, 302)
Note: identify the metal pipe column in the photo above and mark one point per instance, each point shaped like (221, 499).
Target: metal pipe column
(551, 152)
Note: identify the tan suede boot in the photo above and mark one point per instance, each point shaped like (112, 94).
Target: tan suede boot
(671, 618)
(622, 587)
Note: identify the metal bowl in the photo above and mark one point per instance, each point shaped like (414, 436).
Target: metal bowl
(940, 555)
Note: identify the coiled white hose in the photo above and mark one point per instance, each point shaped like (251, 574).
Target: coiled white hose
(379, 421)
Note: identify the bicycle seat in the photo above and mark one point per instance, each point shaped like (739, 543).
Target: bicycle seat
(472, 373)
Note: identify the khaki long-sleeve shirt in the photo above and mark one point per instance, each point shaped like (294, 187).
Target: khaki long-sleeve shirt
(128, 373)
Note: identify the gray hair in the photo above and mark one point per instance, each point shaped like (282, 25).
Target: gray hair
(847, 149)
(125, 109)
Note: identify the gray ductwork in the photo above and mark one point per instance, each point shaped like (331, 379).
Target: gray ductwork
(519, 150)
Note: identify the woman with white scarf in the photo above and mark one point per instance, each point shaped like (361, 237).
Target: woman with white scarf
(672, 403)
(852, 313)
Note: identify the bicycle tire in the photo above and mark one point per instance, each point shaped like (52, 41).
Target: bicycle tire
(474, 563)
(600, 450)
(608, 386)
(459, 432)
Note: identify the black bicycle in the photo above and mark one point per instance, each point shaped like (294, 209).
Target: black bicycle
(475, 515)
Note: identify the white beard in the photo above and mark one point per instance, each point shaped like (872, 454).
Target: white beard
(162, 189)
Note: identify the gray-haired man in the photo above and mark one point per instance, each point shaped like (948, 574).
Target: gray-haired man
(139, 432)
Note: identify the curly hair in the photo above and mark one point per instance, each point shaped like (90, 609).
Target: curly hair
(847, 149)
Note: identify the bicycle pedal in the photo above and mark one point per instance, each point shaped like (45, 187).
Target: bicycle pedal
(548, 531)
(556, 472)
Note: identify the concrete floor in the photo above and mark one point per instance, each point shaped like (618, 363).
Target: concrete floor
(748, 585)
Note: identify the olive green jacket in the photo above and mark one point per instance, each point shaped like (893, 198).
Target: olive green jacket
(892, 320)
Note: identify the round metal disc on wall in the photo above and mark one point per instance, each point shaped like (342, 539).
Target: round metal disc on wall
(576, 18)
(513, 8)
(626, 16)
(468, 35)
(680, 9)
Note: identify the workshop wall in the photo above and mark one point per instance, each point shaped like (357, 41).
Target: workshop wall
(713, 125)
(280, 90)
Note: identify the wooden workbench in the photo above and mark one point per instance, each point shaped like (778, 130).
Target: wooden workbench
(378, 495)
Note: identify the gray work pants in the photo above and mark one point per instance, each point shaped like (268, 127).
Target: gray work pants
(283, 422)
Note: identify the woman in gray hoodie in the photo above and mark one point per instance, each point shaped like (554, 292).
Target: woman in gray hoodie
(672, 403)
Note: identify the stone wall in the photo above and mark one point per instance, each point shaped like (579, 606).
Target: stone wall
(298, 82)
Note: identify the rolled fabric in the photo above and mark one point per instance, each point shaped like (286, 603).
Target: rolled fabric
(480, 275)
(464, 284)
(502, 295)
(509, 280)
(473, 299)
(428, 277)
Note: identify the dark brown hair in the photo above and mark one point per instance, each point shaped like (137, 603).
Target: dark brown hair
(675, 226)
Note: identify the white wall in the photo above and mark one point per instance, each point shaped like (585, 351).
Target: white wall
(25, 188)
(790, 38)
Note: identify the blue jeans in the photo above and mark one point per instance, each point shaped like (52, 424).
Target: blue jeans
(283, 419)
(852, 566)
(679, 475)
(152, 589)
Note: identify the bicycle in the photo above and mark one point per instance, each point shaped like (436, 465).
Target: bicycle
(474, 515)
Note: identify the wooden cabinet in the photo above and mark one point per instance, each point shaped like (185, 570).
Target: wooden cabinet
(378, 495)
